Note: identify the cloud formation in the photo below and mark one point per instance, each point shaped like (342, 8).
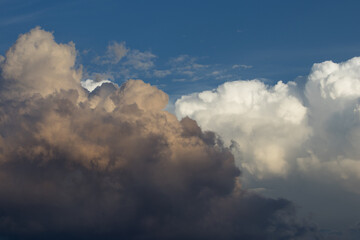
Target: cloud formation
(37, 64)
(115, 52)
(282, 129)
(258, 117)
(333, 96)
(112, 163)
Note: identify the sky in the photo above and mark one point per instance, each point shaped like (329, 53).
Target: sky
(179, 119)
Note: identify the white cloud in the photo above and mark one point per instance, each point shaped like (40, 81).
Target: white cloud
(268, 123)
(90, 84)
(241, 66)
(278, 133)
(333, 95)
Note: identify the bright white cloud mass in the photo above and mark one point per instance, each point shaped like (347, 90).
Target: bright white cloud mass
(275, 132)
(267, 123)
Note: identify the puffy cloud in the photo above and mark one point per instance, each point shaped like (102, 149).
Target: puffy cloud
(332, 93)
(267, 123)
(37, 64)
(77, 168)
(277, 130)
(309, 132)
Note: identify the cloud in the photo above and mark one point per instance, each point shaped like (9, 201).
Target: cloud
(332, 92)
(286, 129)
(161, 73)
(37, 64)
(258, 117)
(115, 52)
(90, 84)
(129, 60)
(241, 66)
(140, 60)
(117, 167)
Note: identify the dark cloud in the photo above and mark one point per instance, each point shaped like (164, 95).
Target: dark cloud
(114, 165)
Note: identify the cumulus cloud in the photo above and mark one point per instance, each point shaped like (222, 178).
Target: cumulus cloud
(333, 96)
(282, 129)
(117, 166)
(258, 117)
(37, 64)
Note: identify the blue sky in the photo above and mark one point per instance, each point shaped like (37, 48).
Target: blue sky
(273, 40)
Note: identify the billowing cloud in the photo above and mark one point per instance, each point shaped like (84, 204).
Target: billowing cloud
(37, 64)
(333, 96)
(277, 130)
(113, 164)
(258, 117)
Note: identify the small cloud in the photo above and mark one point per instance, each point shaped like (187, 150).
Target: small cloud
(90, 84)
(180, 58)
(116, 51)
(161, 73)
(85, 52)
(241, 66)
(197, 66)
(140, 60)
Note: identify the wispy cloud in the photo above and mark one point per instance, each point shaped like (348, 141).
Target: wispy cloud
(241, 66)
(115, 52)
(21, 18)
(140, 60)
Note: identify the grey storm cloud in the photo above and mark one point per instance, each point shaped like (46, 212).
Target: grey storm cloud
(113, 163)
